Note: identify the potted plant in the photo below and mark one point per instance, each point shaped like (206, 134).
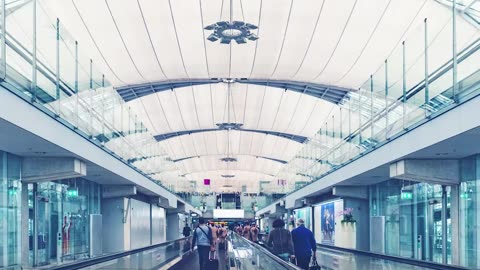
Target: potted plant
(347, 214)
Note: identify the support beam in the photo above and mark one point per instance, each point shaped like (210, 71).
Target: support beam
(116, 191)
(329, 93)
(435, 171)
(359, 192)
(52, 168)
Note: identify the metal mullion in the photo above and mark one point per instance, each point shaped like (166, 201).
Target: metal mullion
(359, 118)
(350, 126)
(34, 49)
(371, 107)
(103, 108)
(427, 98)
(404, 85)
(386, 99)
(90, 109)
(57, 72)
(341, 124)
(454, 51)
(76, 85)
(3, 41)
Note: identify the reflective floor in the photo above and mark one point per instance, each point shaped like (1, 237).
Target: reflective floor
(331, 259)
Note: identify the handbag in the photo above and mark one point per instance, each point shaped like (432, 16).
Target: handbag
(314, 264)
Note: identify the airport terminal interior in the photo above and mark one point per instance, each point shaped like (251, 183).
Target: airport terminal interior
(126, 125)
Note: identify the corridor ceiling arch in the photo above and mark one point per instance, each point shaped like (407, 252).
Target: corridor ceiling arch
(300, 61)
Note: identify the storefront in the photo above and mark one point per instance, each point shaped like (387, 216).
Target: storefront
(410, 215)
(59, 215)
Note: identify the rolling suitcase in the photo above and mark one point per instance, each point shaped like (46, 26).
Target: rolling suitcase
(212, 263)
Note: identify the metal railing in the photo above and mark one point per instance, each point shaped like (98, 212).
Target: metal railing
(391, 258)
(152, 257)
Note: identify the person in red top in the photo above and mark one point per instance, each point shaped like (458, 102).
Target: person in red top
(254, 233)
(246, 231)
(222, 235)
(239, 230)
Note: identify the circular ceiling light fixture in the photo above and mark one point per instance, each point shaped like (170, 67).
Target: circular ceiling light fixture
(228, 159)
(226, 31)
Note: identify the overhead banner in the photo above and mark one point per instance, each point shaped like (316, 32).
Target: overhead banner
(228, 213)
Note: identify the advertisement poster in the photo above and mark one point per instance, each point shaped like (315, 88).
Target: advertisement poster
(328, 223)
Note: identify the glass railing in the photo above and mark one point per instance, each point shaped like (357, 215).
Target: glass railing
(370, 117)
(43, 63)
(159, 256)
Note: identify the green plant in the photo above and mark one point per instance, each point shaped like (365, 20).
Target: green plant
(347, 214)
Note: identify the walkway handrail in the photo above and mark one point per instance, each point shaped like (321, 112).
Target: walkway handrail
(110, 257)
(270, 254)
(404, 260)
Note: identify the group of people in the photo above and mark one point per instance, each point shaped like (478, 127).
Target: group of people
(208, 238)
(249, 231)
(299, 245)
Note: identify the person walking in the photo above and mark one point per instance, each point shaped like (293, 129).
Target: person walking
(246, 231)
(304, 244)
(202, 236)
(280, 241)
(254, 233)
(240, 230)
(222, 235)
(186, 230)
(214, 233)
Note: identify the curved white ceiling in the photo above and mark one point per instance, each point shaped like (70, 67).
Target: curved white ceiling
(329, 42)
(339, 43)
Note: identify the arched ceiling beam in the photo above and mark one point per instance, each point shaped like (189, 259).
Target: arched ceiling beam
(329, 93)
(166, 136)
(220, 155)
(231, 171)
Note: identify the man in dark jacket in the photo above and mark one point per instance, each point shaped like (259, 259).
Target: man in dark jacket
(186, 230)
(304, 244)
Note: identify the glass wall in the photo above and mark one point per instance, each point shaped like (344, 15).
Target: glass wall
(10, 194)
(412, 215)
(469, 204)
(59, 215)
(305, 214)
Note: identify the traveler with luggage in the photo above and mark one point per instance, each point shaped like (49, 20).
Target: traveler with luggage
(202, 236)
(304, 245)
(222, 235)
(280, 241)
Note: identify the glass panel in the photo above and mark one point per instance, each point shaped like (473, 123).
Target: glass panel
(413, 218)
(10, 194)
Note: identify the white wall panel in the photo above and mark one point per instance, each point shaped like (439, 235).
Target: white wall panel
(158, 225)
(139, 224)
